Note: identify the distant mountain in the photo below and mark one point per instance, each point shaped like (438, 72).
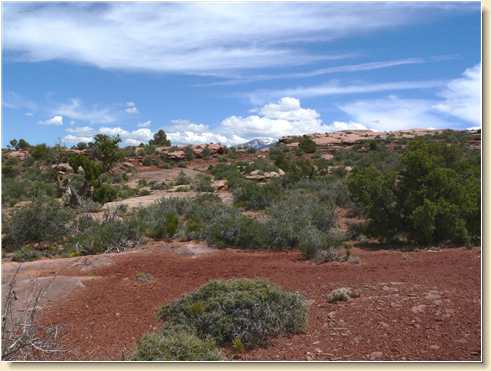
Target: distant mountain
(258, 143)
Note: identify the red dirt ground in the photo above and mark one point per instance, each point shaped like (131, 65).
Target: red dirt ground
(413, 306)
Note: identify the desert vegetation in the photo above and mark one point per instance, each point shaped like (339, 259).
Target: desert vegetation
(238, 314)
(321, 202)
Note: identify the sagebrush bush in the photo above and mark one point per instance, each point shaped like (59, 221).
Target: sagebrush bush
(250, 310)
(255, 196)
(172, 345)
(293, 214)
(182, 179)
(43, 220)
(230, 228)
(202, 183)
(112, 233)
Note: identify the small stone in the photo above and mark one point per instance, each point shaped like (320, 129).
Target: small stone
(434, 347)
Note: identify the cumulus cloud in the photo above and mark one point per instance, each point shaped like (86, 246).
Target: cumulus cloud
(271, 121)
(462, 96)
(131, 108)
(185, 131)
(173, 36)
(129, 137)
(56, 120)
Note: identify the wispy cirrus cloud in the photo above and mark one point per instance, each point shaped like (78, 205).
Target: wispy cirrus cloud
(335, 88)
(369, 66)
(158, 37)
(75, 109)
(456, 105)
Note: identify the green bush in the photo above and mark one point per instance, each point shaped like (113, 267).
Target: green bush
(105, 193)
(229, 228)
(432, 198)
(182, 179)
(26, 253)
(250, 310)
(202, 183)
(293, 214)
(176, 346)
(112, 233)
(44, 220)
(307, 145)
(255, 196)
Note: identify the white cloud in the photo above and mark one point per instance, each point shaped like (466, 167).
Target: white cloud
(462, 96)
(271, 121)
(81, 131)
(459, 100)
(56, 120)
(185, 131)
(145, 124)
(131, 108)
(29, 114)
(394, 113)
(335, 88)
(76, 139)
(129, 137)
(319, 72)
(76, 110)
(171, 37)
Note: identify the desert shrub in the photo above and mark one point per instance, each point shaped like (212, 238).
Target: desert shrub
(255, 196)
(229, 172)
(112, 233)
(26, 253)
(341, 294)
(44, 220)
(314, 244)
(202, 183)
(188, 150)
(261, 165)
(250, 310)
(182, 179)
(434, 197)
(327, 188)
(172, 345)
(293, 214)
(307, 145)
(229, 228)
(105, 193)
(147, 161)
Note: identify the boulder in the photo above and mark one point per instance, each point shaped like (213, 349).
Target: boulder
(21, 154)
(178, 155)
(220, 185)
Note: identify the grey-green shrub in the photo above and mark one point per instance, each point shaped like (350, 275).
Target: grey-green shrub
(44, 220)
(250, 310)
(176, 346)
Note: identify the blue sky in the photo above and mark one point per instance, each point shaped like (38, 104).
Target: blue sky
(229, 73)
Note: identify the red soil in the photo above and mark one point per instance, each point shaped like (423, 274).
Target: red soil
(413, 305)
